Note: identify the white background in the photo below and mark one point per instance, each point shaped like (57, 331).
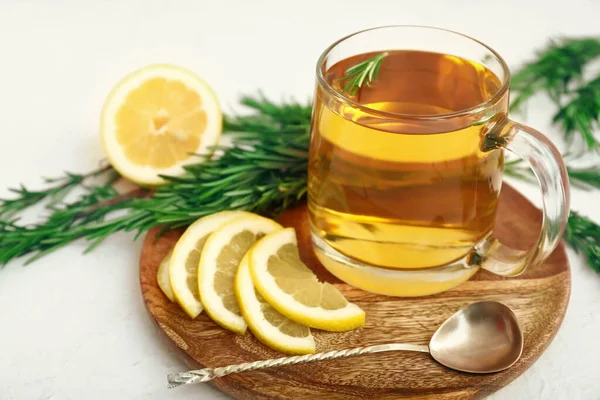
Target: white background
(75, 327)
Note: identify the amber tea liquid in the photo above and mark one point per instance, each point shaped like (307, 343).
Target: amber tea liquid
(400, 193)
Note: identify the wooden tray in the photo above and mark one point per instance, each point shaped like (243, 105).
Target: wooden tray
(539, 298)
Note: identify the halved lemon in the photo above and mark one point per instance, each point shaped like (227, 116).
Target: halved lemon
(293, 289)
(219, 262)
(162, 276)
(155, 119)
(183, 268)
(266, 323)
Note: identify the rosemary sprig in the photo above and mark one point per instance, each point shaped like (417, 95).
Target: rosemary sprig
(582, 178)
(64, 225)
(362, 73)
(59, 189)
(517, 169)
(267, 178)
(582, 114)
(555, 67)
(584, 237)
(582, 234)
(585, 178)
(558, 72)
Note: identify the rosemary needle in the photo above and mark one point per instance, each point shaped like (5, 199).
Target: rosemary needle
(584, 237)
(362, 73)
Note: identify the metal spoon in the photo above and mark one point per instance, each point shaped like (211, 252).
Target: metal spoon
(481, 338)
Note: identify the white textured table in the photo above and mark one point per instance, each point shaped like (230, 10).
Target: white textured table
(75, 327)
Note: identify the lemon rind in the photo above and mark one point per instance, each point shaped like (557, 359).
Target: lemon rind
(260, 327)
(184, 245)
(163, 279)
(340, 320)
(211, 301)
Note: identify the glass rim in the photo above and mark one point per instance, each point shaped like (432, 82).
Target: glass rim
(460, 113)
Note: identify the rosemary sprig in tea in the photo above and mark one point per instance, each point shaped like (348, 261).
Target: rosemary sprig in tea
(362, 73)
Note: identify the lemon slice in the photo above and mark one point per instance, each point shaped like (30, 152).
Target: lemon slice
(219, 262)
(154, 119)
(292, 289)
(183, 268)
(162, 276)
(267, 324)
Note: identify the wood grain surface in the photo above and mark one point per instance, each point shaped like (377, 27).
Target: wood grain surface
(539, 298)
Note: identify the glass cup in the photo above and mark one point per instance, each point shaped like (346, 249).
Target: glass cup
(404, 176)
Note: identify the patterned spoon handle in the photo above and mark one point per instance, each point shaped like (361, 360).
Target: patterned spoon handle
(207, 374)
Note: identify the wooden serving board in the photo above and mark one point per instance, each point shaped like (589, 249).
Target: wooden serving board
(539, 298)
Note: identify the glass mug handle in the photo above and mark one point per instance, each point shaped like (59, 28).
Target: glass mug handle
(547, 165)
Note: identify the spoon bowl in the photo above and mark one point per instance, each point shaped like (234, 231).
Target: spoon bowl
(483, 337)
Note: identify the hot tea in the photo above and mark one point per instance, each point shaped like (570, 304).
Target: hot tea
(396, 192)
